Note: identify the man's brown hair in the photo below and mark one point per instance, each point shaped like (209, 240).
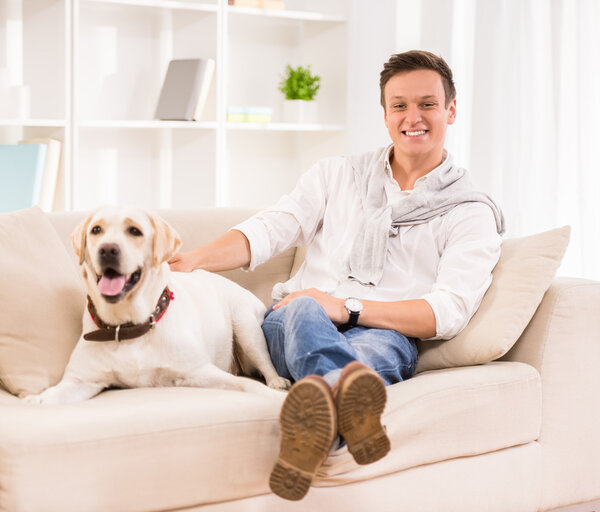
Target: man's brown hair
(414, 60)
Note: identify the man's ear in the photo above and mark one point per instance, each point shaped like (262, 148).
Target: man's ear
(79, 238)
(166, 241)
(452, 112)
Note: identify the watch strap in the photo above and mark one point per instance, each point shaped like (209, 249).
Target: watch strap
(352, 320)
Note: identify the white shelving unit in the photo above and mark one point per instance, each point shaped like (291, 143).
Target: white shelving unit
(35, 70)
(94, 69)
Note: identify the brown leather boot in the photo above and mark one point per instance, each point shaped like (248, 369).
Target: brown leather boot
(360, 398)
(308, 428)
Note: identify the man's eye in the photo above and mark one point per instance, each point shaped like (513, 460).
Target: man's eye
(96, 230)
(399, 107)
(135, 232)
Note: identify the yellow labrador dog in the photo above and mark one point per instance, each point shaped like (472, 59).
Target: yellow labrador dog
(147, 326)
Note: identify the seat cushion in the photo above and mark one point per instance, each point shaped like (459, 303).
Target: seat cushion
(168, 448)
(136, 450)
(444, 414)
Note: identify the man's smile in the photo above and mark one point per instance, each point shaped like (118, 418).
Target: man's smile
(416, 133)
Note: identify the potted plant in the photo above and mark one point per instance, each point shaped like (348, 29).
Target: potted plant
(300, 87)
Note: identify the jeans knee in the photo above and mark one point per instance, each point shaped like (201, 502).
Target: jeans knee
(304, 307)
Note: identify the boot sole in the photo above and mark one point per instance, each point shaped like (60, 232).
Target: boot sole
(360, 404)
(308, 428)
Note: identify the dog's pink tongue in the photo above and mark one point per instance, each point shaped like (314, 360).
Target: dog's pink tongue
(111, 286)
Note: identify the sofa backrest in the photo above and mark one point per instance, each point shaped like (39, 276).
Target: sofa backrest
(213, 222)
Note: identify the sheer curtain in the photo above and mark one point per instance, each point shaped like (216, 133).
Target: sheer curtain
(528, 127)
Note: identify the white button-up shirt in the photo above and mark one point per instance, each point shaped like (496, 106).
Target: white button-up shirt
(447, 261)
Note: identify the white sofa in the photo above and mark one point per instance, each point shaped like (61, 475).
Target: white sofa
(517, 434)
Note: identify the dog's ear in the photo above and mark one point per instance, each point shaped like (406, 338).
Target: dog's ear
(166, 240)
(79, 238)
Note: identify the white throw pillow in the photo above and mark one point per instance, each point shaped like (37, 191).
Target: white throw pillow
(523, 274)
(42, 303)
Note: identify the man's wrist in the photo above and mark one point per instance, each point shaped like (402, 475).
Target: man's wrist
(344, 313)
(198, 260)
(353, 307)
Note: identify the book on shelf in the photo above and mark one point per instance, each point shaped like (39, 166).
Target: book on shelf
(249, 114)
(261, 4)
(21, 174)
(185, 89)
(51, 169)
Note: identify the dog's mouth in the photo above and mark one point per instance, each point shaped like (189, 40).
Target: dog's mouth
(114, 286)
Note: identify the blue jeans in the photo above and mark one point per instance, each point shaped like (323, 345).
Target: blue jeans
(302, 341)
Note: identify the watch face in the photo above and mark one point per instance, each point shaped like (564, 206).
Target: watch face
(354, 305)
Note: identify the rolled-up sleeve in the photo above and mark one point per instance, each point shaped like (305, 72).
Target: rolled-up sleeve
(469, 255)
(293, 221)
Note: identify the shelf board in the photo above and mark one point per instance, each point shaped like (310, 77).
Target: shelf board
(56, 123)
(252, 11)
(167, 4)
(202, 125)
(285, 14)
(273, 127)
(286, 127)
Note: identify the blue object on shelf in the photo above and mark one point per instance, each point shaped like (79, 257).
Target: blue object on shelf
(21, 173)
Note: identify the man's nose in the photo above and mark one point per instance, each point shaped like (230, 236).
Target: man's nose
(413, 114)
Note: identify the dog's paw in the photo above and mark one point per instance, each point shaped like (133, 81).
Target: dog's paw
(279, 383)
(33, 399)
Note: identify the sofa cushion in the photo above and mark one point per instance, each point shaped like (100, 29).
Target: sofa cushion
(42, 302)
(170, 448)
(523, 274)
(450, 413)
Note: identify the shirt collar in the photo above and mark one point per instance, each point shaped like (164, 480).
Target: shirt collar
(388, 165)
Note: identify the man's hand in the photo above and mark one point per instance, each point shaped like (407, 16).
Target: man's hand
(334, 307)
(182, 262)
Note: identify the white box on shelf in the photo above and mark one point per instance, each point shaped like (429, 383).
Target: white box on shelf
(300, 111)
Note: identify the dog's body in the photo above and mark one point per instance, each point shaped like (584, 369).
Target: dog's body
(123, 257)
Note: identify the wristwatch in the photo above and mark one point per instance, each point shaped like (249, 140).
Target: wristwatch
(354, 307)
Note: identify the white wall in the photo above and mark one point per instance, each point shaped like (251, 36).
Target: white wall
(372, 39)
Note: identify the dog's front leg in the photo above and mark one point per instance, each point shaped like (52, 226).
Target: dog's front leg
(66, 391)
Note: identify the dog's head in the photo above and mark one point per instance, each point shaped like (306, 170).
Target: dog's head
(119, 247)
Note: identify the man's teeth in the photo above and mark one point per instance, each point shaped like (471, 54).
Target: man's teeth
(416, 134)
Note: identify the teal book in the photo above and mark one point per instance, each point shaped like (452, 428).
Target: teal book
(21, 175)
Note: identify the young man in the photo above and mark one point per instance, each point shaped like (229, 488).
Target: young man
(400, 248)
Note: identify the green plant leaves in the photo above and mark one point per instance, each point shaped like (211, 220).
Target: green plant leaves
(299, 83)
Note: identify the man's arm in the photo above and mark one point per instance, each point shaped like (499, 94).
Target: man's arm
(413, 318)
(228, 252)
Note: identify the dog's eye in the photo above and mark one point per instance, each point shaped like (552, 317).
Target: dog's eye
(96, 230)
(135, 231)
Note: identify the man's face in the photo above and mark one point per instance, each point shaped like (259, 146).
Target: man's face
(415, 113)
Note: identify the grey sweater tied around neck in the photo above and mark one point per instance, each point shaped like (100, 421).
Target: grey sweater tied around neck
(435, 194)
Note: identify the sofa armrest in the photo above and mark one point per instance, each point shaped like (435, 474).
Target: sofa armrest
(563, 342)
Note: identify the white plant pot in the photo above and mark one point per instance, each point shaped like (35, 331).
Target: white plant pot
(300, 111)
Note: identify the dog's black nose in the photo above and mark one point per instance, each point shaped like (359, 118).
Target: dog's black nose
(109, 253)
